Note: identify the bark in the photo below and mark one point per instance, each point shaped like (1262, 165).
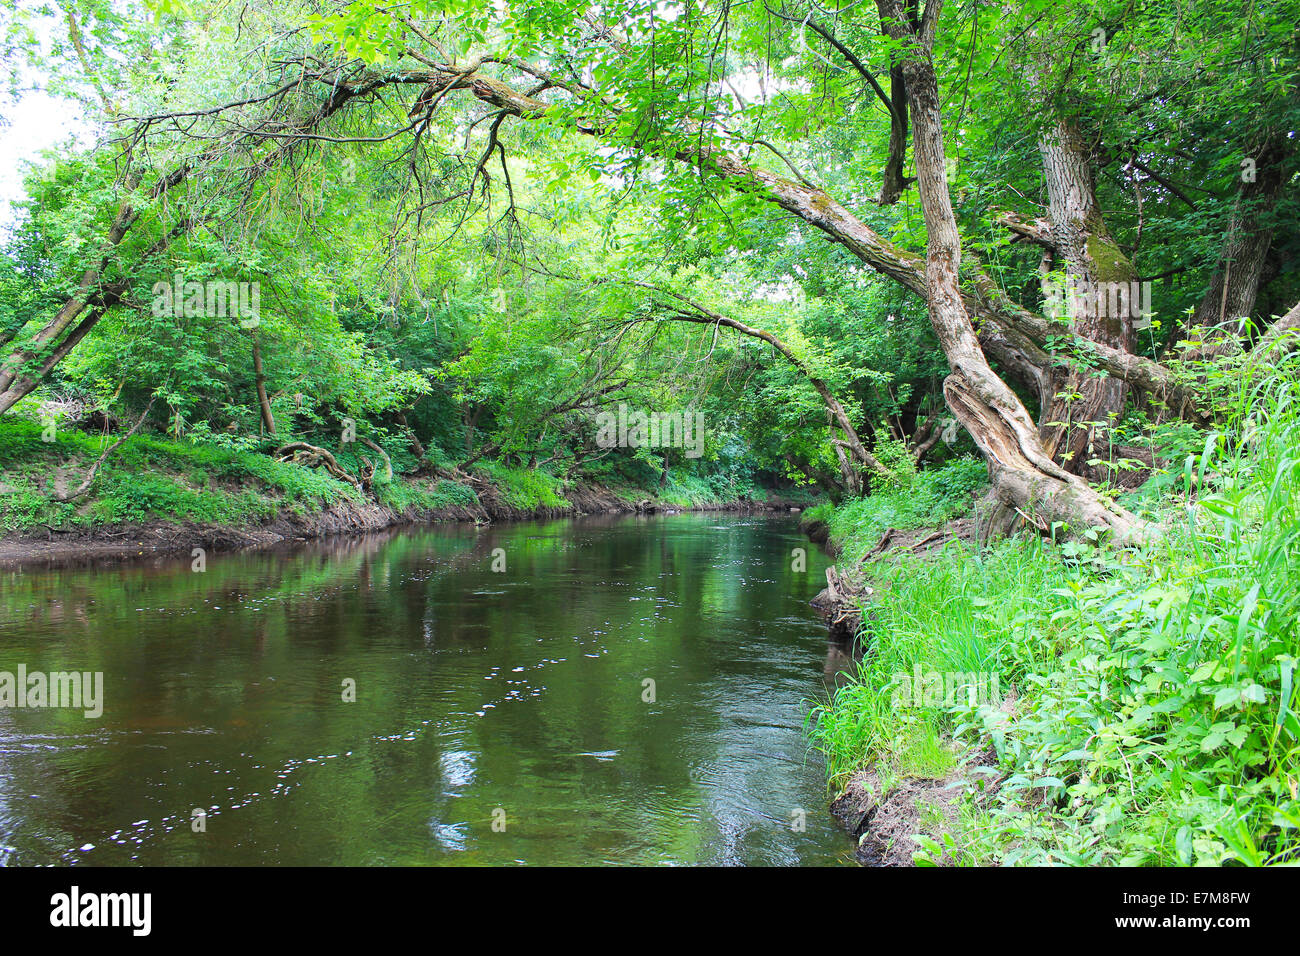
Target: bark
(1019, 325)
(1012, 335)
(926, 437)
(1081, 406)
(25, 384)
(310, 456)
(18, 377)
(892, 180)
(87, 295)
(259, 378)
(848, 472)
(1024, 475)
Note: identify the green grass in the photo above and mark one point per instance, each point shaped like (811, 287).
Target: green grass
(148, 479)
(961, 611)
(155, 479)
(404, 496)
(922, 499)
(1153, 717)
(524, 488)
(688, 490)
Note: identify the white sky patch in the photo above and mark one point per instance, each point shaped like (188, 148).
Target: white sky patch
(37, 122)
(785, 289)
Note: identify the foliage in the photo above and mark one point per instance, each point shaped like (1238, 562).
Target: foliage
(524, 488)
(932, 498)
(1150, 714)
(148, 479)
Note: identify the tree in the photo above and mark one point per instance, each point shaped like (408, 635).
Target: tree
(719, 111)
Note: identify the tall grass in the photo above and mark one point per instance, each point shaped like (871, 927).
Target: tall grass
(1153, 717)
(913, 500)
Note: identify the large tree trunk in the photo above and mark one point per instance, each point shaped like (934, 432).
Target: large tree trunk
(1024, 476)
(1099, 293)
(1235, 284)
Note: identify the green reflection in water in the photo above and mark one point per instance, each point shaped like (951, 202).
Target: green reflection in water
(518, 694)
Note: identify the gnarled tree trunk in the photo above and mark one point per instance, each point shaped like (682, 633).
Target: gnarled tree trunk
(1099, 293)
(1024, 476)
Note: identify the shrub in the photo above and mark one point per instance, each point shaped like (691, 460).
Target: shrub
(1154, 718)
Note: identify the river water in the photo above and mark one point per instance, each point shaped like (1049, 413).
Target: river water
(623, 690)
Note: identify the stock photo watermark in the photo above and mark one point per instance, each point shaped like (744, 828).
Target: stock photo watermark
(39, 690)
(76, 909)
(637, 429)
(945, 688)
(214, 298)
(1077, 299)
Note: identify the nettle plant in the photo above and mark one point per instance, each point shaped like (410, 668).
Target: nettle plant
(1167, 731)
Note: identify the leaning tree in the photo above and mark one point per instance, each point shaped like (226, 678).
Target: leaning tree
(736, 99)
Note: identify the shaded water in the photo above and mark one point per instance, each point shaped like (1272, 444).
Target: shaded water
(515, 698)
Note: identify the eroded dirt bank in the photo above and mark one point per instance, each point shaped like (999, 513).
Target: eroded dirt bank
(884, 815)
(343, 517)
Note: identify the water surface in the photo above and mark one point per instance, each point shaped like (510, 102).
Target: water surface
(500, 716)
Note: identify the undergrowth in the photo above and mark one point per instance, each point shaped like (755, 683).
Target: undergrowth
(1147, 707)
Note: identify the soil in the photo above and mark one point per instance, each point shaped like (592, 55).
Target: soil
(885, 826)
(346, 517)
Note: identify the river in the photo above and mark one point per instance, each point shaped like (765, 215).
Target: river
(626, 690)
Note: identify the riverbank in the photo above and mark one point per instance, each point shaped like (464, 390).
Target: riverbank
(1040, 702)
(888, 809)
(155, 496)
(163, 537)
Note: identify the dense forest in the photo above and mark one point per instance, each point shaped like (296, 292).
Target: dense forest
(1013, 284)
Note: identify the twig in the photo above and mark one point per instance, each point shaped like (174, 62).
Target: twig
(90, 477)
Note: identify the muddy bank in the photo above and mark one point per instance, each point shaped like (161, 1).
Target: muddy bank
(885, 815)
(885, 818)
(343, 517)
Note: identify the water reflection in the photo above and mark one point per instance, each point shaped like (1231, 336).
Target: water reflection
(498, 717)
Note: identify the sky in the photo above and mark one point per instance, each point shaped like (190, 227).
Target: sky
(38, 121)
